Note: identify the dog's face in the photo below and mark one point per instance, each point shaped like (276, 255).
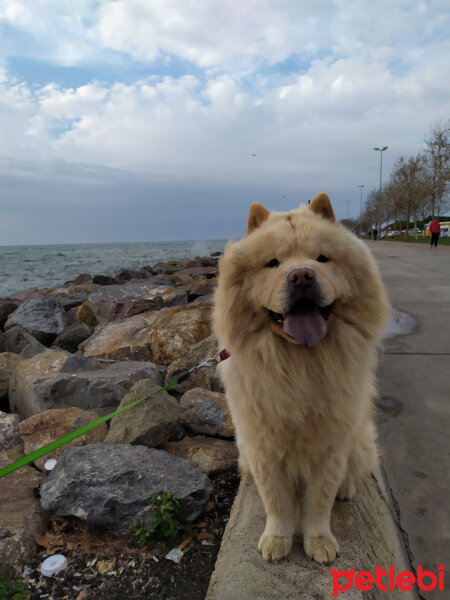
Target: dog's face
(293, 273)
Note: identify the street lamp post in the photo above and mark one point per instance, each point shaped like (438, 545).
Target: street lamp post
(381, 150)
(360, 213)
(348, 210)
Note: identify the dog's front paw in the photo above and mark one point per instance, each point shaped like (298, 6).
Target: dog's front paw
(274, 547)
(321, 549)
(347, 490)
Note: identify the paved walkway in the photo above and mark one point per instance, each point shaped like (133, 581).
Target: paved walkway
(414, 382)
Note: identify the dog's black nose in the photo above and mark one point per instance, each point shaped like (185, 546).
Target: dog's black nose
(301, 277)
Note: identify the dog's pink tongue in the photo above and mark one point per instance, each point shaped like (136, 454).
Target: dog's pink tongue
(306, 327)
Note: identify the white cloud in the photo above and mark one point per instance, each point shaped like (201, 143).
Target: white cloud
(357, 74)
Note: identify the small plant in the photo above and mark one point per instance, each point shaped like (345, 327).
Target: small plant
(11, 589)
(165, 525)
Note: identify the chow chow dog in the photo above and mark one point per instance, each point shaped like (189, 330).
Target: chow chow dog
(300, 307)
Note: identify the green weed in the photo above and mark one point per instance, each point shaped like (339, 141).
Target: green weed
(11, 589)
(165, 525)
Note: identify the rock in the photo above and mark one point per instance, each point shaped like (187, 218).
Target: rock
(32, 349)
(207, 378)
(203, 411)
(76, 363)
(161, 337)
(28, 376)
(176, 330)
(181, 279)
(73, 336)
(104, 280)
(43, 318)
(173, 297)
(200, 272)
(201, 287)
(99, 313)
(25, 295)
(20, 514)
(6, 308)
(8, 360)
(129, 339)
(82, 278)
(9, 432)
(150, 422)
(168, 268)
(210, 454)
(17, 339)
(111, 485)
(138, 290)
(70, 296)
(161, 280)
(42, 383)
(42, 429)
(123, 275)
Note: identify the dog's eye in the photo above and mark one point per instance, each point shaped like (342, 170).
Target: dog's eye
(322, 258)
(273, 263)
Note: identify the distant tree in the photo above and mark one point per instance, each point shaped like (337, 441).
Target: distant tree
(351, 224)
(437, 152)
(410, 177)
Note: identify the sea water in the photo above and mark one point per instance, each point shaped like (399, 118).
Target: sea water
(23, 267)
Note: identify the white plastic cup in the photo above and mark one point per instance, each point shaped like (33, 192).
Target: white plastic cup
(49, 465)
(53, 565)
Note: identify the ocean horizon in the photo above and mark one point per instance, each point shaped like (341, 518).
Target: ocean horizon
(49, 265)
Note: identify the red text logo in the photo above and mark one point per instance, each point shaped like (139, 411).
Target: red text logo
(388, 580)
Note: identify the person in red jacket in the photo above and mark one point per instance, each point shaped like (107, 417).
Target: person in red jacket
(435, 230)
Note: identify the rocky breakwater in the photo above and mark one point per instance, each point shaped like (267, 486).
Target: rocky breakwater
(75, 352)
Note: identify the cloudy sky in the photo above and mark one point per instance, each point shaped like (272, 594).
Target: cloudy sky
(140, 120)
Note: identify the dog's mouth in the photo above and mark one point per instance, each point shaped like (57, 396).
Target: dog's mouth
(305, 323)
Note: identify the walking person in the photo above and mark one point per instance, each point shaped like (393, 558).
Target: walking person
(375, 233)
(435, 230)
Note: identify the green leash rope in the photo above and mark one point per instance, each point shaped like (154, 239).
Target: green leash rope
(74, 434)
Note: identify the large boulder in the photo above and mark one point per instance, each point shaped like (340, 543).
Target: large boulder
(98, 313)
(150, 422)
(162, 337)
(210, 454)
(25, 295)
(73, 336)
(203, 411)
(43, 318)
(206, 378)
(176, 330)
(45, 381)
(129, 339)
(17, 340)
(46, 427)
(138, 290)
(9, 431)
(8, 360)
(111, 485)
(6, 308)
(20, 514)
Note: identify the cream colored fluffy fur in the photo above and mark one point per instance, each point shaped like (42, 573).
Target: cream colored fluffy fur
(303, 416)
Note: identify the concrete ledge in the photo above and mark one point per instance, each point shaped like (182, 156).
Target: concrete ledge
(368, 536)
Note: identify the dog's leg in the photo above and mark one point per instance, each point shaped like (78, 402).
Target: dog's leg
(362, 460)
(318, 541)
(278, 499)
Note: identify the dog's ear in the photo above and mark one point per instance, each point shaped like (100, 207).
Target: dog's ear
(322, 206)
(257, 215)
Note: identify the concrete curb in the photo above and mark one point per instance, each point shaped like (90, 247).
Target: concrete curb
(366, 529)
